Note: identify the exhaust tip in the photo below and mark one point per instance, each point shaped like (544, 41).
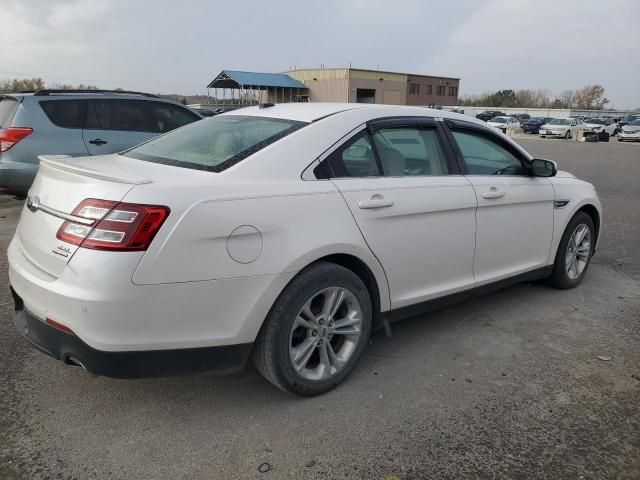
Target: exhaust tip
(71, 360)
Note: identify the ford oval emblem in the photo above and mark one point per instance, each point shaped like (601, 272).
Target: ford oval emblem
(33, 203)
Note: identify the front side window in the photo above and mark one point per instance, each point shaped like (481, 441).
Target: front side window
(166, 117)
(485, 156)
(410, 151)
(216, 143)
(119, 115)
(65, 113)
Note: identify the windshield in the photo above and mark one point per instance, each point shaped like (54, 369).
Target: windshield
(635, 123)
(596, 121)
(216, 143)
(499, 120)
(560, 121)
(630, 118)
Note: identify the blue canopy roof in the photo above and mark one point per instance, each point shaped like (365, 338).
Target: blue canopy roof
(256, 80)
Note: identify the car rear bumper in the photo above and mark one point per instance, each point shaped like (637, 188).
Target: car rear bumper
(70, 349)
(16, 177)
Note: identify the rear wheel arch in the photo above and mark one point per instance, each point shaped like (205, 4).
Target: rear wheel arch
(360, 268)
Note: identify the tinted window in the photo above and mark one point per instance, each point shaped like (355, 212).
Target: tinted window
(354, 159)
(410, 151)
(216, 143)
(121, 115)
(484, 156)
(65, 113)
(166, 117)
(8, 107)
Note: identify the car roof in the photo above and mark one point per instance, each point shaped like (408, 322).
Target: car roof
(311, 112)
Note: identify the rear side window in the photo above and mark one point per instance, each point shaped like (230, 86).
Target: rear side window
(410, 151)
(8, 107)
(354, 159)
(120, 115)
(65, 113)
(216, 143)
(166, 117)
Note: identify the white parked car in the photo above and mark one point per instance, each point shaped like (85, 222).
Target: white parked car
(285, 233)
(560, 127)
(598, 125)
(630, 132)
(502, 123)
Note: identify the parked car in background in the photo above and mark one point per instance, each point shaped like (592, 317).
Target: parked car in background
(599, 125)
(560, 127)
(502, 123)
(168, 258)
(457, 110)
(77, 123)
(533, 124)
(489, 114)
(578, 117)
(628, 119)
(630, 132)
(522, 117)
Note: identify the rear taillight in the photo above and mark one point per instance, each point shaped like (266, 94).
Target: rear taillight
(10, 136)
(117, 226)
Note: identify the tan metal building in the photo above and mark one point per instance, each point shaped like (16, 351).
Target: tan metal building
(373, 86)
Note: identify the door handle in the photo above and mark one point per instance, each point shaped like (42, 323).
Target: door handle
(376, 201)
(97, 141)
(493, 193)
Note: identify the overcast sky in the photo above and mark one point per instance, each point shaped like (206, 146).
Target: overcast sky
(178, 47)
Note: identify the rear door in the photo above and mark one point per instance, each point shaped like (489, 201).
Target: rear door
(417, 214)
(114, 125)
(515, 210)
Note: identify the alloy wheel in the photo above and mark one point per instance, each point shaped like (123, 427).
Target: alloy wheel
(325, 333)
(578, 251)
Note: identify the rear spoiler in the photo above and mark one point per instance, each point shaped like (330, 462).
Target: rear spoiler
(83, 166)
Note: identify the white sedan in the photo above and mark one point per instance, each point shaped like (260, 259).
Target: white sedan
(598, 125)
(286, 234)
(560, 127)
(502, 123)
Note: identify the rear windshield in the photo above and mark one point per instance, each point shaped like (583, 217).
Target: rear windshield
(214, 144)
(8, 107)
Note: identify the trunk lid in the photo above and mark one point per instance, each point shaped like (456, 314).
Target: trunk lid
(61, 184)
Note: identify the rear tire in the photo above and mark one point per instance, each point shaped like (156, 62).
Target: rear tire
(316, 331)
(574, 252)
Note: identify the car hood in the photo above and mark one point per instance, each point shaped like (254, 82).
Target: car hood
(564, 174)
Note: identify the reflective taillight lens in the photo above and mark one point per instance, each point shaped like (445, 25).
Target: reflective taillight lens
(117, 226)
(10, 136)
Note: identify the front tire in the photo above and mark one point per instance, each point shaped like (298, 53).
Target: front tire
(567, 135)
(574, 252)
(316, 331)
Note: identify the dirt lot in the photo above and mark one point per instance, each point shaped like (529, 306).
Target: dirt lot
(504, 386)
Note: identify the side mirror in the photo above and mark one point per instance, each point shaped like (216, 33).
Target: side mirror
(543, 168)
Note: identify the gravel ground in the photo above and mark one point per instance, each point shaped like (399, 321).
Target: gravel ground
(505, 386)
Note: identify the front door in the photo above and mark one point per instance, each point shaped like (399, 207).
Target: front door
(416, 213)
(515, 209)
